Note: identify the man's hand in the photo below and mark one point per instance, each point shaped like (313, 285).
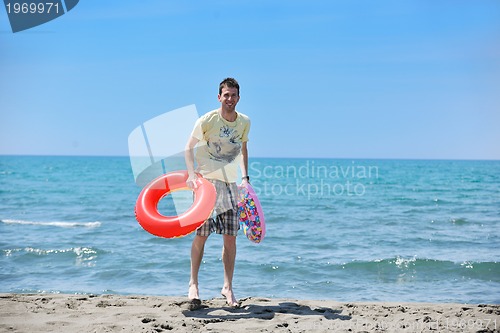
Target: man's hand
(244, 181)
(192, 181)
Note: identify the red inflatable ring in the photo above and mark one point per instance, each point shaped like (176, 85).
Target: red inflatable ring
(146, 207)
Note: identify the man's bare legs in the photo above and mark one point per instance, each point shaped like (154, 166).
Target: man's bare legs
(197, 249)
(228, 258)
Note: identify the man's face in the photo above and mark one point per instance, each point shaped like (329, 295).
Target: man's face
(229, 98)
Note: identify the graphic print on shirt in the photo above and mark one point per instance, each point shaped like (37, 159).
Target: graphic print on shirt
(225, 147)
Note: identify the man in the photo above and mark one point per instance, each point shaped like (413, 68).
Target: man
(223, 136)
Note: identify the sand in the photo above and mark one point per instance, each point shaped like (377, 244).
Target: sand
(116, 313)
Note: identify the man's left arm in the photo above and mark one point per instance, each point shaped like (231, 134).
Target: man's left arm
(244, 161)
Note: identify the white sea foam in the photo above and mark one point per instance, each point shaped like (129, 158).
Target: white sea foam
(61, 224)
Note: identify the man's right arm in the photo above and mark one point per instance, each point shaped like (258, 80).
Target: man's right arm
(189, 157)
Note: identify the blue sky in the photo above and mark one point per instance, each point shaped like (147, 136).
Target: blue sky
(340, 79)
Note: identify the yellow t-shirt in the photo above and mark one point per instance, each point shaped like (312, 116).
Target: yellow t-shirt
(218, 153)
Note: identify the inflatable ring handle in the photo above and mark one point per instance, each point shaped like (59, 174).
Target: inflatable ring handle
(146, 208)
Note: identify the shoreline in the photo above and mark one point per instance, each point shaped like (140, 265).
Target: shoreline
(141, 313)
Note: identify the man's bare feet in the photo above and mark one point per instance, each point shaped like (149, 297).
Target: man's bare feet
(193, 292)
(194, 297)
(230, 299)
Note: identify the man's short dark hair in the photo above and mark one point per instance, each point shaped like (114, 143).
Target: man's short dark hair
(229, 82)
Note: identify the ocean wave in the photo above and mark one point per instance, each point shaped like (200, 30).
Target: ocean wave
(60, 224)
(408, 262)
(78, 251)
(83, 256)
(430, 268)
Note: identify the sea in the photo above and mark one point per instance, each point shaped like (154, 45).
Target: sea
(337, 229)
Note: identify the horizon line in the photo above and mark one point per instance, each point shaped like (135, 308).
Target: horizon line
(278, 157)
